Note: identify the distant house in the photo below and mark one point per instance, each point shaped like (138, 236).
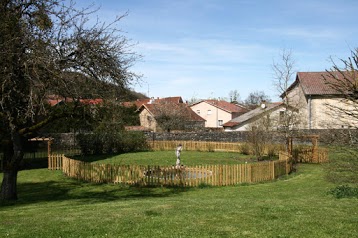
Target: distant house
(139, 102)
(55, 100)
(315, 97)
(272, 113)
(167, 114)
(217, 112)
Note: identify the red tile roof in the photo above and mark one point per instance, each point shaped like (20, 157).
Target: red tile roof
(138, 103)
(54, 100)
(92, 101)
(320, 83)
(176, 99)
(226, 106)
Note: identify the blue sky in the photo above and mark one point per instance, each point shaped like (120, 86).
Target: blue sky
(206, 48)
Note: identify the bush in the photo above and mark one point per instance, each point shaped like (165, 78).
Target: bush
(203, 185)
(210, 147)
(344, 191)
(342, 166)
(245, 149)
(272, 150)
(111, 143)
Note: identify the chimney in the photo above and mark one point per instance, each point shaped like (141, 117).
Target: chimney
(263, 104)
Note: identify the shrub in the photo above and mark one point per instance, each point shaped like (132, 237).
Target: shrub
(210, 147)
(111, 143)
(245, 149)
(272, 150)
(342, 166)
(203, 185)
(344, 191)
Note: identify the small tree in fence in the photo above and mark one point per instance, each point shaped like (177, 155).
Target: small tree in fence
(259, 136)
(284, 71)
(343, 80)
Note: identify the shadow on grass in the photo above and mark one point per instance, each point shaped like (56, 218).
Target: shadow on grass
(34, 163)
(92, 158)
(82, 192)
(42, 162)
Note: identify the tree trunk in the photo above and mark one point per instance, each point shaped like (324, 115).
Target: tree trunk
(9, 185)
(13, 155)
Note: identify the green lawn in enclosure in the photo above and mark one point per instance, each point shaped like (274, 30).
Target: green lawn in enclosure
(164, 158)
(51, 205)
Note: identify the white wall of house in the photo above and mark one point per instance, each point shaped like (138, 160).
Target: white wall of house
(242, 127)
(273, 117)
(315, 112)
(297, 99)
(214, 116)
(325, 116)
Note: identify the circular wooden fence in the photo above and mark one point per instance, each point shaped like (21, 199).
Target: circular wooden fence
(214, 175)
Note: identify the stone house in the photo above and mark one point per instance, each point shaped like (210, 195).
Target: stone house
(217, 112)
(169, 114)
(317, 101)
(313, 99)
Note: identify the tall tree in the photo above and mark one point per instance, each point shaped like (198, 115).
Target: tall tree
(255, 98)
(48, 47)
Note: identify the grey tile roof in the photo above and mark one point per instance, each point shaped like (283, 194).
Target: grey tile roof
(252, 114)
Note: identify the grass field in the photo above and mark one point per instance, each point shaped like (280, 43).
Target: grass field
(166, 158)
(51, 205)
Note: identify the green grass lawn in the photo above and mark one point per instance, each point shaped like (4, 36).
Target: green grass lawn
(164, 158)
(51, 205)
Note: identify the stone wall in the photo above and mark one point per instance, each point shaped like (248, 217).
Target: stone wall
(326, 137)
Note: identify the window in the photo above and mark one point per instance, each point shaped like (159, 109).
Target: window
(198, 112)
(220, 122)
(149, 119)
(281, 118)
(209, 112)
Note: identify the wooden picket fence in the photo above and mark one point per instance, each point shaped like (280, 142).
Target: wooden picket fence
(214, 175)
(302, 155)
(196, 145)
(306, 155)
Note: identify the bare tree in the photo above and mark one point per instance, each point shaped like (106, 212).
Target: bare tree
(344, 83)
(259, 136)
(284, 71)
(48, 47)
(342, 79)
(234, 96)
(172, 116)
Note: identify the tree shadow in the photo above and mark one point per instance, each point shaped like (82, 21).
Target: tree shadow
(34, 163)
(83, 192)
(92, 158)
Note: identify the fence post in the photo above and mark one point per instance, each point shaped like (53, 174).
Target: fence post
(1, 163)
(273, 169)
(49, 162)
